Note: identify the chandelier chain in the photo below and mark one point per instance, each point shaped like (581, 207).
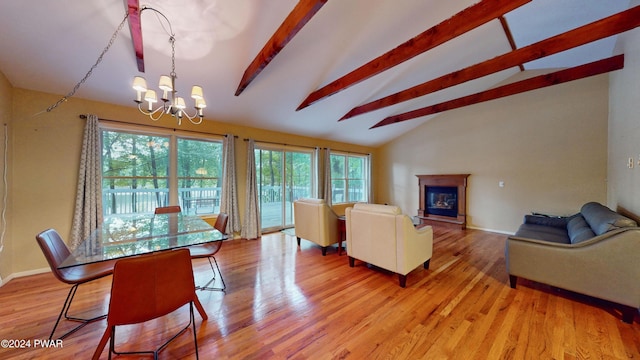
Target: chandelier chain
(172, 39)
(95, 65)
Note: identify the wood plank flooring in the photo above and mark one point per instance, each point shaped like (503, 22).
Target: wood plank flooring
(285, 302)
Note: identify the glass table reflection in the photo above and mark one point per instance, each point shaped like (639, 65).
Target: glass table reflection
(135, 234)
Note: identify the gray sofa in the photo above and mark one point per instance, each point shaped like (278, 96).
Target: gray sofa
(594, 252)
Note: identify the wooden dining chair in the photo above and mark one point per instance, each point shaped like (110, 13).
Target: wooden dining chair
(147, 287)
(209, 250)
(56, 251)
(168, 209)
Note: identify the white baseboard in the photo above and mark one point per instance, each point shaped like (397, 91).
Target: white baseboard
(23, 274)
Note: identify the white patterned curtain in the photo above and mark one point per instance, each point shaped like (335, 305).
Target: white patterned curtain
(251, 226)
(88, 211)
(229, 197)
(326, 191)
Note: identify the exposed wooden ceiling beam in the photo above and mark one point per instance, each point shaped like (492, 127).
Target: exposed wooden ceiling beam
(133, 8)
(554, 78)
(509, 35)
(612, 25)
(299, 16)
(464, 21)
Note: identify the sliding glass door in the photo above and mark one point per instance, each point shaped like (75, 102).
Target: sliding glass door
(283, 176)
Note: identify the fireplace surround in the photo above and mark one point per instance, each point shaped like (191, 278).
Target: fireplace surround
(443, 199)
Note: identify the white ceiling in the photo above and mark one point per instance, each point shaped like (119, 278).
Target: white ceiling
(49, 46)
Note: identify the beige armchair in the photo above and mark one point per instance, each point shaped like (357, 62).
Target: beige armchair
(382, 236)
(315, 221)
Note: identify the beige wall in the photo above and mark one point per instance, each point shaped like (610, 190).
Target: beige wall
(6, 260)
(549, 146)
(46, 156)
(624, 126)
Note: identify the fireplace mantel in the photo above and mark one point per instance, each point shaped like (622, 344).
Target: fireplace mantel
(454, 180)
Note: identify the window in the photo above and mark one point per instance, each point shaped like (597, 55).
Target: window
(199, 175)
(138, 174)
(349, 178)
(283, 176)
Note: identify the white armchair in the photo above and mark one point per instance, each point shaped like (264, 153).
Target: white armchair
(382, 236)
(315, 221)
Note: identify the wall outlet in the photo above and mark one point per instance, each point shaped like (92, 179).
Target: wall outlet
(630, 163)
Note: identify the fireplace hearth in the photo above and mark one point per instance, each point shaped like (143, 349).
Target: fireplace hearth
(443, 199)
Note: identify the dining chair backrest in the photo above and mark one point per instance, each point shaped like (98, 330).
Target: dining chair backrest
(147, 287)
(168, 209)
(221, 222)
(150, 286)
(54, 250)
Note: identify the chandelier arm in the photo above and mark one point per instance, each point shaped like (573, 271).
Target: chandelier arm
(196, 123)
(150, 114)
(191, 117)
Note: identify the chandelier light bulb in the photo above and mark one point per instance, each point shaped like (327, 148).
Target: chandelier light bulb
(201, 104)
(140, 86)
(196, 93)
(151, 98)
(180, 103)
(166, 85)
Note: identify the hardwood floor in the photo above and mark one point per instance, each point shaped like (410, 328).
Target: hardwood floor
(285, 302)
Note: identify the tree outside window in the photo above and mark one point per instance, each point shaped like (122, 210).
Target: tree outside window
(137, 173)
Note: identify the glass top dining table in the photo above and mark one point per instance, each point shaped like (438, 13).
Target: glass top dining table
(136, 234)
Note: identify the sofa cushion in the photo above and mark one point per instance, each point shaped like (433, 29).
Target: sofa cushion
(602, 219)
(555, 221)
(543, 232)
(579, 230)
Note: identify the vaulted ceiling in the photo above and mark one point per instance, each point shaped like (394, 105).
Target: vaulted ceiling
(356, 71)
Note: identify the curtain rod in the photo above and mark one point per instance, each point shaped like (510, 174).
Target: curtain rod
(309, 147)
(82, 116)
(277, 143)
(349, 152)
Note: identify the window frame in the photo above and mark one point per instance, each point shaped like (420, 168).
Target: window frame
(366, 180)
(173, 135)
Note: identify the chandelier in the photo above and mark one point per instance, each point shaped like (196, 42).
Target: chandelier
(171, 103)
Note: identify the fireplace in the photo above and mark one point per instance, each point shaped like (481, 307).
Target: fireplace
(443, 199)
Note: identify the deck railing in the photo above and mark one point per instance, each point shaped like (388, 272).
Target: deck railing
(192, 200)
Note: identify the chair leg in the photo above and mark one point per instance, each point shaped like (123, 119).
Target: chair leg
(157, 351)
(203, 314)
(193, 323)
(103, 342)
(65, 310)
(403, 280)
(206, 286)
(628, 314)
(513, 280)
